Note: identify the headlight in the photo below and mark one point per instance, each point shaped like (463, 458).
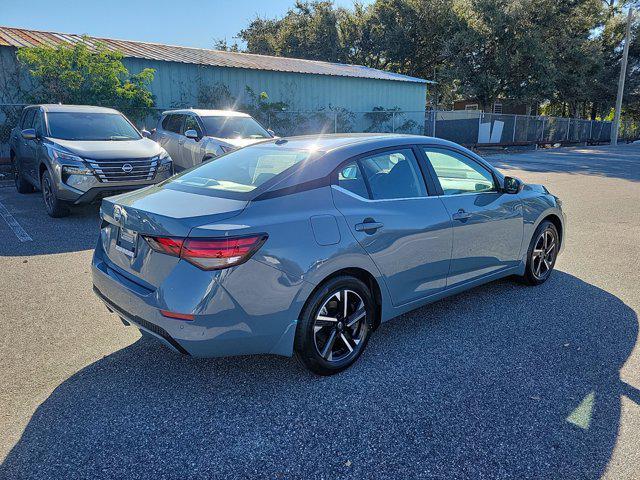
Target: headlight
(63, 156)
(77, 165)
(165, 162)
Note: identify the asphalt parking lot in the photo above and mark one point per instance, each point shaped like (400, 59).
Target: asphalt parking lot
(503, 381)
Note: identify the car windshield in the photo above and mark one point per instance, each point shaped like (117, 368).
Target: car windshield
(233, 127)
(243, 170)
(90, 126)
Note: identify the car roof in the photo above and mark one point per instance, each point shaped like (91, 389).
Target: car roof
(370, 141)
(207, 113)
(56, 107)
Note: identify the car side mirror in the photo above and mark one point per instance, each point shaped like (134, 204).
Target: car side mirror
(29, 134)
(511, 185)
(271, 132)
(192, 134)
(145, 133)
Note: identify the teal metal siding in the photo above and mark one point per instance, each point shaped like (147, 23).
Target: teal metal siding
(177, 84)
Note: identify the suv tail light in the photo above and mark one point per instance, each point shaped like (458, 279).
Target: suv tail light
(209, 253)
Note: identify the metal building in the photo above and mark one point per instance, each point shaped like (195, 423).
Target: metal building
(181, 72)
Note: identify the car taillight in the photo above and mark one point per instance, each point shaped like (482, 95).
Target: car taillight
(209, 253)
(168, 245)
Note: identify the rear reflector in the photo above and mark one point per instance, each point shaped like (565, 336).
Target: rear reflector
(177, 316)
(209, 253)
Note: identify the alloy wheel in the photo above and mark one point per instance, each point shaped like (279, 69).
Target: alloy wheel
(544, 254)
(340, 326)
(47, 193)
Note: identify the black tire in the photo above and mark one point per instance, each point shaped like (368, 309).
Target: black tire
(55, 207)
(540, 258)
(22, 185)
(327, 347)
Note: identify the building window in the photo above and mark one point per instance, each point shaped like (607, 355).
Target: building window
(497, 108)
(471, 106)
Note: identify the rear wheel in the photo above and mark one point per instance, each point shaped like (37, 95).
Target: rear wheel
(55, 207)
(335, 326)
(542, 254)
(22, 185)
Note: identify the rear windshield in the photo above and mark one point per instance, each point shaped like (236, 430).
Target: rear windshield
(233, 127)
(244, 170)
(90, 126)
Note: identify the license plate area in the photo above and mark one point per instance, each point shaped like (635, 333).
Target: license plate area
(127, 242)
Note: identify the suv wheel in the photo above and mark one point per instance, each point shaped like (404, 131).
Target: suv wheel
(22, 185)
(54, 206)
(335, 326)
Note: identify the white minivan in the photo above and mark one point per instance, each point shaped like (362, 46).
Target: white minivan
(191, 136)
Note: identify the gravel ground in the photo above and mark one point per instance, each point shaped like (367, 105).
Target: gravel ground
(502, 381)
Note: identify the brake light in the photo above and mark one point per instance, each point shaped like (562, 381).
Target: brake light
(209, 253)
(168, 245)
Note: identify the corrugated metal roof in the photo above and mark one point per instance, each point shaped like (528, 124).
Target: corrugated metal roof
(19, 37)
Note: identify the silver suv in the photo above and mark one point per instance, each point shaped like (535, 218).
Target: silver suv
(192, 136)
(77, 154)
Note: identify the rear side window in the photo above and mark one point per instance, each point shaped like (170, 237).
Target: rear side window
(172, 123)
(394, 174)
(350, 178)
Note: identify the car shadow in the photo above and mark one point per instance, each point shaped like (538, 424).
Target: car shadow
(616, 162)
(500, 381)
(79, 231)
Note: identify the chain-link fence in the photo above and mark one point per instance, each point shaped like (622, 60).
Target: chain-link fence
(471, 128)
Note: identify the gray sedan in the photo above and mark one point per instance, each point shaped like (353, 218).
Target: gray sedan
(305, 245)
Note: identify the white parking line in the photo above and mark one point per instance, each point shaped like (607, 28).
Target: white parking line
(22, 235)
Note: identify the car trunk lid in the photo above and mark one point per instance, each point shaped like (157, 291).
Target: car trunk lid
(155, 211)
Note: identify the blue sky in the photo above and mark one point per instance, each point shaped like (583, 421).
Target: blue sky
(191, 23)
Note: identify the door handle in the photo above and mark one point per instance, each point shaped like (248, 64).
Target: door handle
(461, 215)
(368, 226)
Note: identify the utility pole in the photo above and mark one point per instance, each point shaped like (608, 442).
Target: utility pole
(623, 73)
(435, 105)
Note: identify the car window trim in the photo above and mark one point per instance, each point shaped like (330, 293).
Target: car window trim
(434, 175)
(357, 159)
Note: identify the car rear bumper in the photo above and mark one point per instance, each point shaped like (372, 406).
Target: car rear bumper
(223, 328)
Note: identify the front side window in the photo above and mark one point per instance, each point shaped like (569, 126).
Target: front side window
(459, 174)
(234, 127)
(393, 174)
(38, 124)
(243, 170)
(90, 126)
(27, 119)
(191, 123)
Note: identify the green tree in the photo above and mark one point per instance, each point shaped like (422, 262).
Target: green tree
(81, 75)
(308, 30)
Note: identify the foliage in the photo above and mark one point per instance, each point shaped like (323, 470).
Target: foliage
(79, 74)
(562, 53)
(389, 120)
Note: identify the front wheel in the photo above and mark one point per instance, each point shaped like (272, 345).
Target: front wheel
(542, 254)
(55, 207)
(335, 326)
